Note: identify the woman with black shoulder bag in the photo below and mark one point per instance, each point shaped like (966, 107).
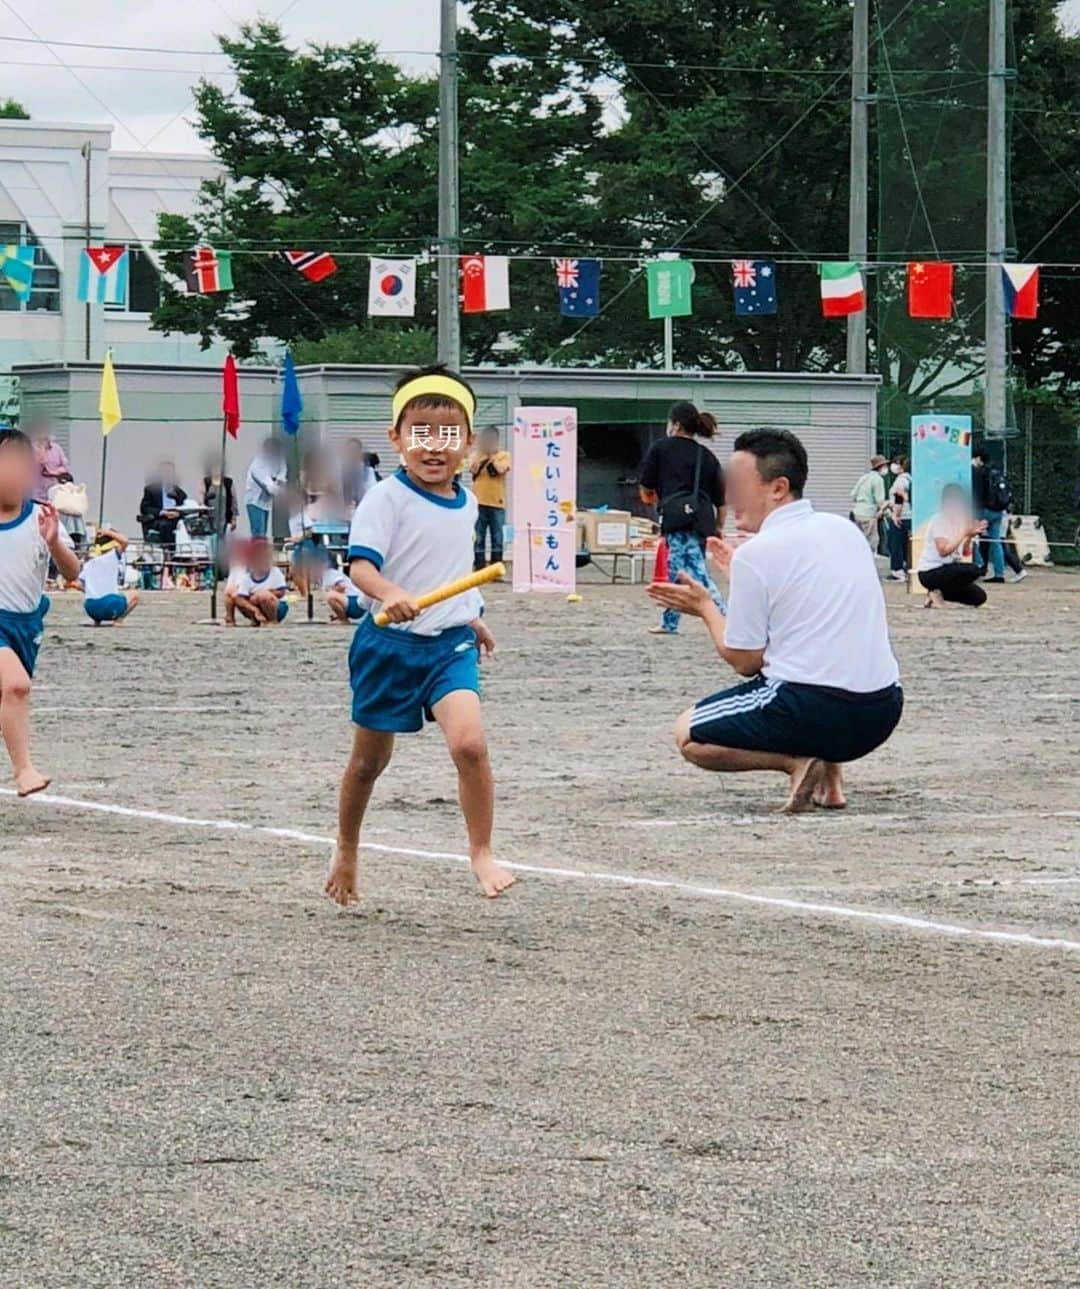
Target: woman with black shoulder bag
(683, 479)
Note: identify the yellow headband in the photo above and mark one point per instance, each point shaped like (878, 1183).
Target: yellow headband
(445, 386)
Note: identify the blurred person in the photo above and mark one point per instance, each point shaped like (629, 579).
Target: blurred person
(489, 466)
(806, 621)
(357, 475)
(868, 501)
(259, 591)
(30, 535)
(51, 460)
(230, 514)
(160, 508)
(102, 579)
(899, 515)
(266, 477)
(683, 480)
(1012, 554)
(991, 496)
(946, 567)
(343, 597)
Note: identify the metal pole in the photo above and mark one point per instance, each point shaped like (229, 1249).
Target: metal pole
(857, 197)
(669, 344)
(994, 413)
(449, 223)
(220, 523)
(101, 494)
(87, 152)
(1028, 465)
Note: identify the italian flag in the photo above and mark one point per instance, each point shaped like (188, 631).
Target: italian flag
(841, 289)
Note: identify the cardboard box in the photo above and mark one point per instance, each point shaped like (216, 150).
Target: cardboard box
(607, 530)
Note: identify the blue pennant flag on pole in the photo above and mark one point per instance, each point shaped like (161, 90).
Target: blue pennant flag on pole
(291, 402)
(755, 287)
(579, 287)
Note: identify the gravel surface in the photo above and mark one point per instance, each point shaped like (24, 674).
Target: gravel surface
(211, 1077)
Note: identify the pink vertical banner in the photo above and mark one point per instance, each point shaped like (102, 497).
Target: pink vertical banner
(544, 496)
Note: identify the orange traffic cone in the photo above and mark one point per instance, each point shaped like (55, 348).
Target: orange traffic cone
(660, 570)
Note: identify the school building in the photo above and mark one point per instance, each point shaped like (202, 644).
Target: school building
(174, 410)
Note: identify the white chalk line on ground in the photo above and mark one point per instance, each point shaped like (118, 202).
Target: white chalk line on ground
(677, 886)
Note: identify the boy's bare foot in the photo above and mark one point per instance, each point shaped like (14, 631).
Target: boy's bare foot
(491, 878)
(341, 881)
(806, 778)
(829, 795)
(31, 781)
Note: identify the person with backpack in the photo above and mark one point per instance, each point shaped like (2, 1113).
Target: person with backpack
(683, 479)
(991, 497)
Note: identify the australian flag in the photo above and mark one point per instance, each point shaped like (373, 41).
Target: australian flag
(755, 287)
(579, 287)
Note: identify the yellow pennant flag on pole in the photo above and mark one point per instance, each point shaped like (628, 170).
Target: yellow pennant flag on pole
(109, 401)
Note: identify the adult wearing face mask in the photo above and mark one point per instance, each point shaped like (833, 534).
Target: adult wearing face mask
(868, 501)
(899, 519)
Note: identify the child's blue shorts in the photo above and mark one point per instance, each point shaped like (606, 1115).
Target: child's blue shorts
(23, 632)
(282, 610)
(398, 677)
(354, 608)
(107, 608)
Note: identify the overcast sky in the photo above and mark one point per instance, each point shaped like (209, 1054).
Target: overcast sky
(147, 97)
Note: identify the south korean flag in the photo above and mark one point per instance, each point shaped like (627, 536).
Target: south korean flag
(392, 289)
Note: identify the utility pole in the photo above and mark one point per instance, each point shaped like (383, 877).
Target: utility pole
(857, 238)
(994, 410)
(449, 224)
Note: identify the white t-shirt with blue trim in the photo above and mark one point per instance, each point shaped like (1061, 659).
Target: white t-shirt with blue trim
(24, 561)
(100, 576)
(246, 585)
(419, 541)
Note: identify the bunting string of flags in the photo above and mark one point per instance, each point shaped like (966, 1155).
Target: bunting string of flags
(485, 281)
(17, 267)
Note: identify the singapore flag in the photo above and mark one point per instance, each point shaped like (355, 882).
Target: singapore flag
(392, 289)
(485, 283)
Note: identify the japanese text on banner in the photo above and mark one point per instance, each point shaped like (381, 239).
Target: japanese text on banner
(544, 498)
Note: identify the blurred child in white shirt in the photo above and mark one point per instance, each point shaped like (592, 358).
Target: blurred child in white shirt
(101, 579)
(259, 591)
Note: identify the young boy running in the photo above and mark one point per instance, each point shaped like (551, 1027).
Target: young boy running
(30, 534)
(411, 533)
(103, 599)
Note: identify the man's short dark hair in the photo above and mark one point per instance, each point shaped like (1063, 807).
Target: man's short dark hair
(780, 455)
(10, 435)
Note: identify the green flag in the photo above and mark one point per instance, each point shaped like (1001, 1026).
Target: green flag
(669, 288)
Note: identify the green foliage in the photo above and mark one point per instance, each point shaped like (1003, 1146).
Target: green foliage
(375, 342)
(10, 110)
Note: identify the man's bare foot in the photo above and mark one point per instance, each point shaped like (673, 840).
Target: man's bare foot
(491, 879)
(341, 882)
(829, 795)
(805, 780)
(934, 600)
(31, 781)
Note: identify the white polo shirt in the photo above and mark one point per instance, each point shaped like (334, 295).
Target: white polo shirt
(806, 590)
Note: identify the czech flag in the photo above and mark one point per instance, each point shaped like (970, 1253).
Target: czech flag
(1021, 283)
(485, 283)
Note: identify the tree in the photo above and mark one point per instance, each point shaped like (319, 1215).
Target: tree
(10, 110)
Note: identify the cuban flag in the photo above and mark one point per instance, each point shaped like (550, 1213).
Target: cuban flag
(579, 288)
(392, 289)
(103, 275)
(754, 283)
(1021, 282)
(485, 283)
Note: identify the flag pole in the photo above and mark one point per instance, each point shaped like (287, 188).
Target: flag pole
(101, 494)
(220, 520)
(669, 344)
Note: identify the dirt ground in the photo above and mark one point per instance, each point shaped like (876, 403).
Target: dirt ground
(211, 1077)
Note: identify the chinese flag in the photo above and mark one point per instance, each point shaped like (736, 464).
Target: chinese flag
(930, 290)
(230, 399)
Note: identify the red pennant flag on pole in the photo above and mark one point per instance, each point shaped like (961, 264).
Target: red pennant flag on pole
(230, 401)
(930, 290)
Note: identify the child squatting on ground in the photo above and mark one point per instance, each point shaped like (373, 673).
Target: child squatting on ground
(30, 534)
(258, 589)
(103, 599)
(411, 533)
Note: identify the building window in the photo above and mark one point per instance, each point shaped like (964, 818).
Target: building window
(144, 285)
(45, 295)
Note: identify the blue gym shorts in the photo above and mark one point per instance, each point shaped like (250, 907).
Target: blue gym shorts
(354, 609)
(107, 608)
(282, 610)
(23, 632)
(397, 677)
(798, 720)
